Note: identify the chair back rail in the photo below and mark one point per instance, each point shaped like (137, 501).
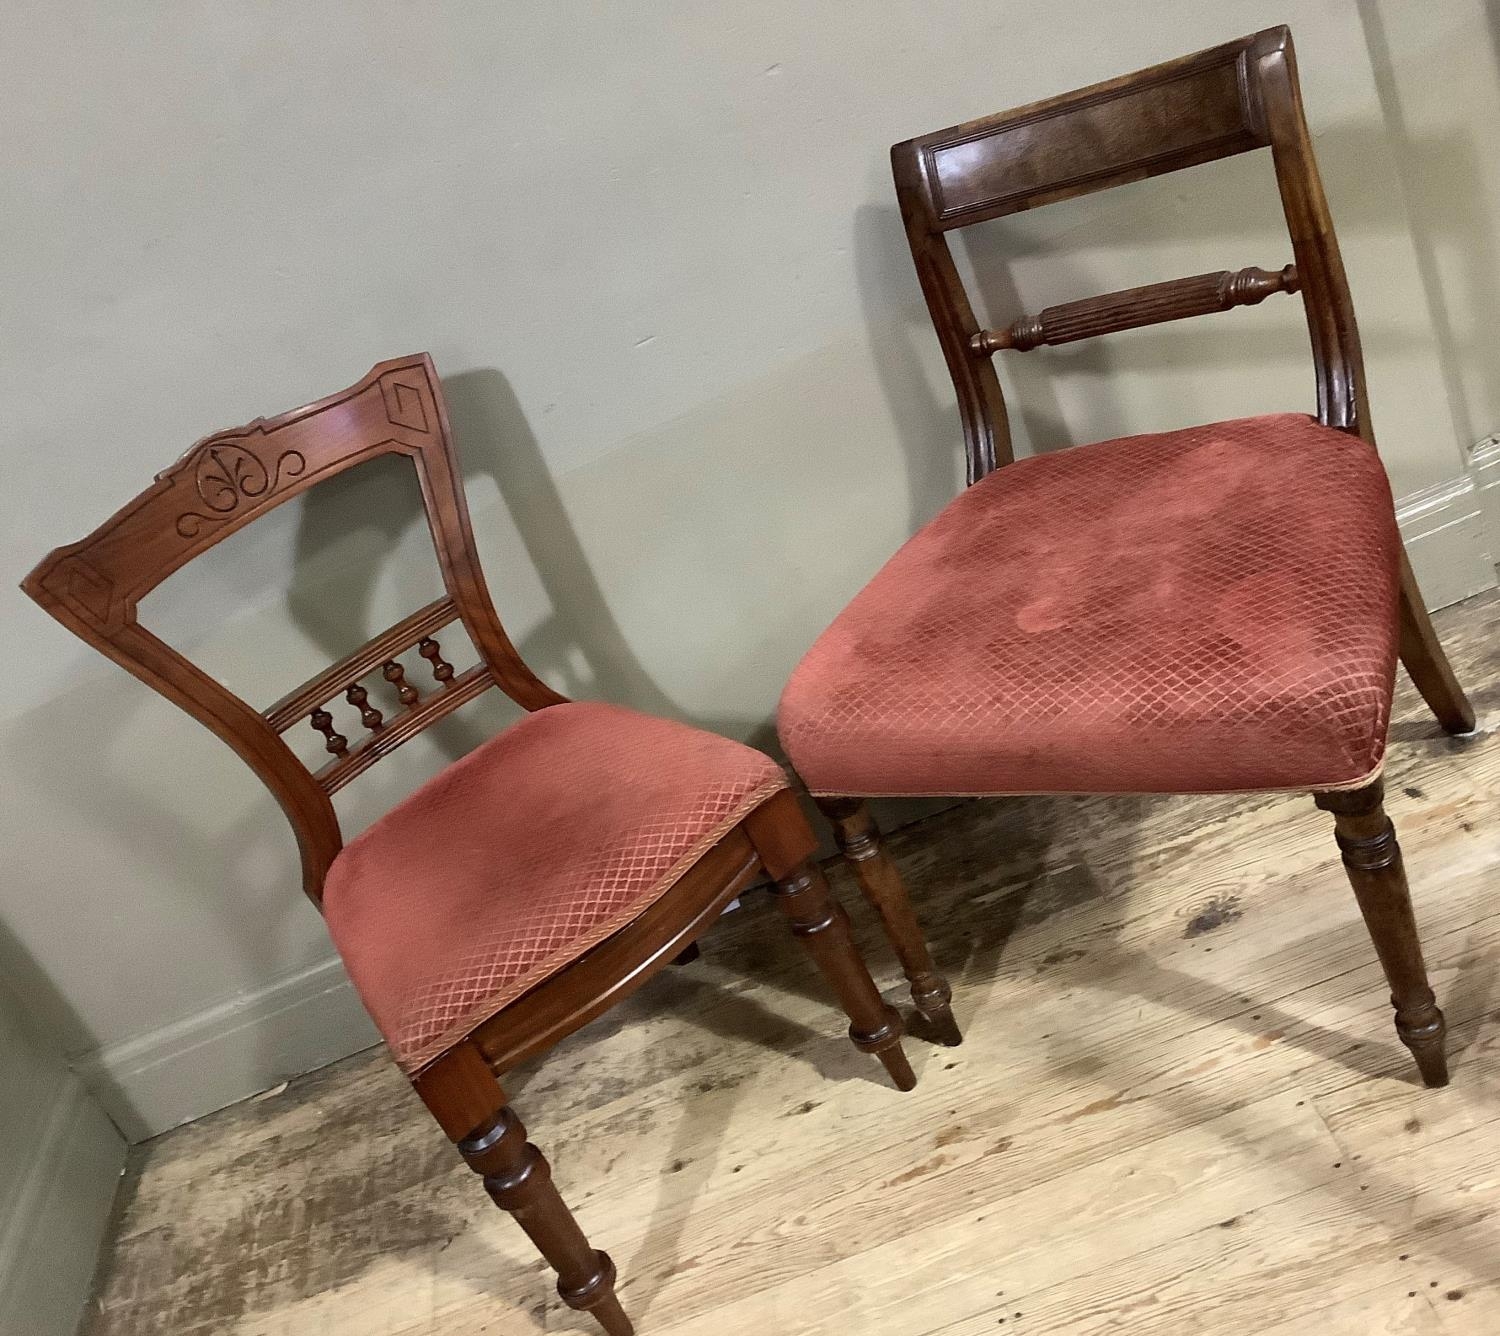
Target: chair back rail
(1153, 304)
(94, 587)
(1231, 99)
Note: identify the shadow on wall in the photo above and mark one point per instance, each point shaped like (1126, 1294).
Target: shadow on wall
(67, 755)
(47, 1011)
(1438, 177)
(493, 434)
(578, 647)
(351, 564)
(902, 343)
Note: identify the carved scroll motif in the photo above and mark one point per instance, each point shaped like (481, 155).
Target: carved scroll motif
(228, 475)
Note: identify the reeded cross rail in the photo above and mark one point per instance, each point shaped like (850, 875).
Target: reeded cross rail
(1154, 304)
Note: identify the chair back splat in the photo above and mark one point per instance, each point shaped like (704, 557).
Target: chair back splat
(94, 586)
(1213, 104)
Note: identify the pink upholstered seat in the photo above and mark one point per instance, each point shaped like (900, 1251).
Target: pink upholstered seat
(521, 856)
(1198, 610)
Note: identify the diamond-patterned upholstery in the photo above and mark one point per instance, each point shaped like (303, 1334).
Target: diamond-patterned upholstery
(521, 856)
(1191, 611)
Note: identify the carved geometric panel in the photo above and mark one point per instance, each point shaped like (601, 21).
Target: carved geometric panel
(403, 405)
(86, 588)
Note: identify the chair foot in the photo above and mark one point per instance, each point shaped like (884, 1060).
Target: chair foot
(819, 921)
(1372, 858)
(898, 1067)
(940, 1026)
(1428, 1046)
(1426, 663)
(519, 1179)
(879, 879)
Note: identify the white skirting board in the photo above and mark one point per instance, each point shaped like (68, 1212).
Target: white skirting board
(1485, 461)
(1451, 539)
(236, 1049)
(250, 1043)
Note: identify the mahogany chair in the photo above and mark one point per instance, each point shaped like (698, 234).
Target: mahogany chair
(528, 886)
(1213, 609)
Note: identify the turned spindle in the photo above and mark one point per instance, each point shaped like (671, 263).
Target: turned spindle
(369, 716)
(1153, 304)
(428, 648)
(395, 674)
(338, 744)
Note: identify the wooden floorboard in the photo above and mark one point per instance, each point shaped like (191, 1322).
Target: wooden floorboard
(1180, 1108)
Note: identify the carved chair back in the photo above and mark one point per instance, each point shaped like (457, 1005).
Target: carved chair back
(1231, 99)
(93, 587)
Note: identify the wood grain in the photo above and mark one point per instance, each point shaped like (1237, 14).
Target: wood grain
(1179, 1108)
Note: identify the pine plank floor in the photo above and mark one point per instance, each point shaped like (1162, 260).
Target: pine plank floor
(1180, 1108)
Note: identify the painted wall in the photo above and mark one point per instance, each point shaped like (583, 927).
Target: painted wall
(1435, 68)
(655, 253)
(60, 1161)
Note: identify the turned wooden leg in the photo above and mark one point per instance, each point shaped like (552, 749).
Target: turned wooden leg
(1426, 663)
(879, 879)
(518, 1177)
(821, 924)
(787, 848)
(1373, 860)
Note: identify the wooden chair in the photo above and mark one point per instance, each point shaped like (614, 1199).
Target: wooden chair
(1214, 609)
(527, 887)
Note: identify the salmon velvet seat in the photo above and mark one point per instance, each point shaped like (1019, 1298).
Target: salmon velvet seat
(515, 860)
(1199, 610)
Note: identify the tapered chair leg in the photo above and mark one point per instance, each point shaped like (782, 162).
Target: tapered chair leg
(1426, 663)
(1372, 857)
(859, 839)
(519, 1179)
(819, 921)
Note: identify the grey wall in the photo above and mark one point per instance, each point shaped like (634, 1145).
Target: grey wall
(655, 253)
(60, 1160)
(1436, 75)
